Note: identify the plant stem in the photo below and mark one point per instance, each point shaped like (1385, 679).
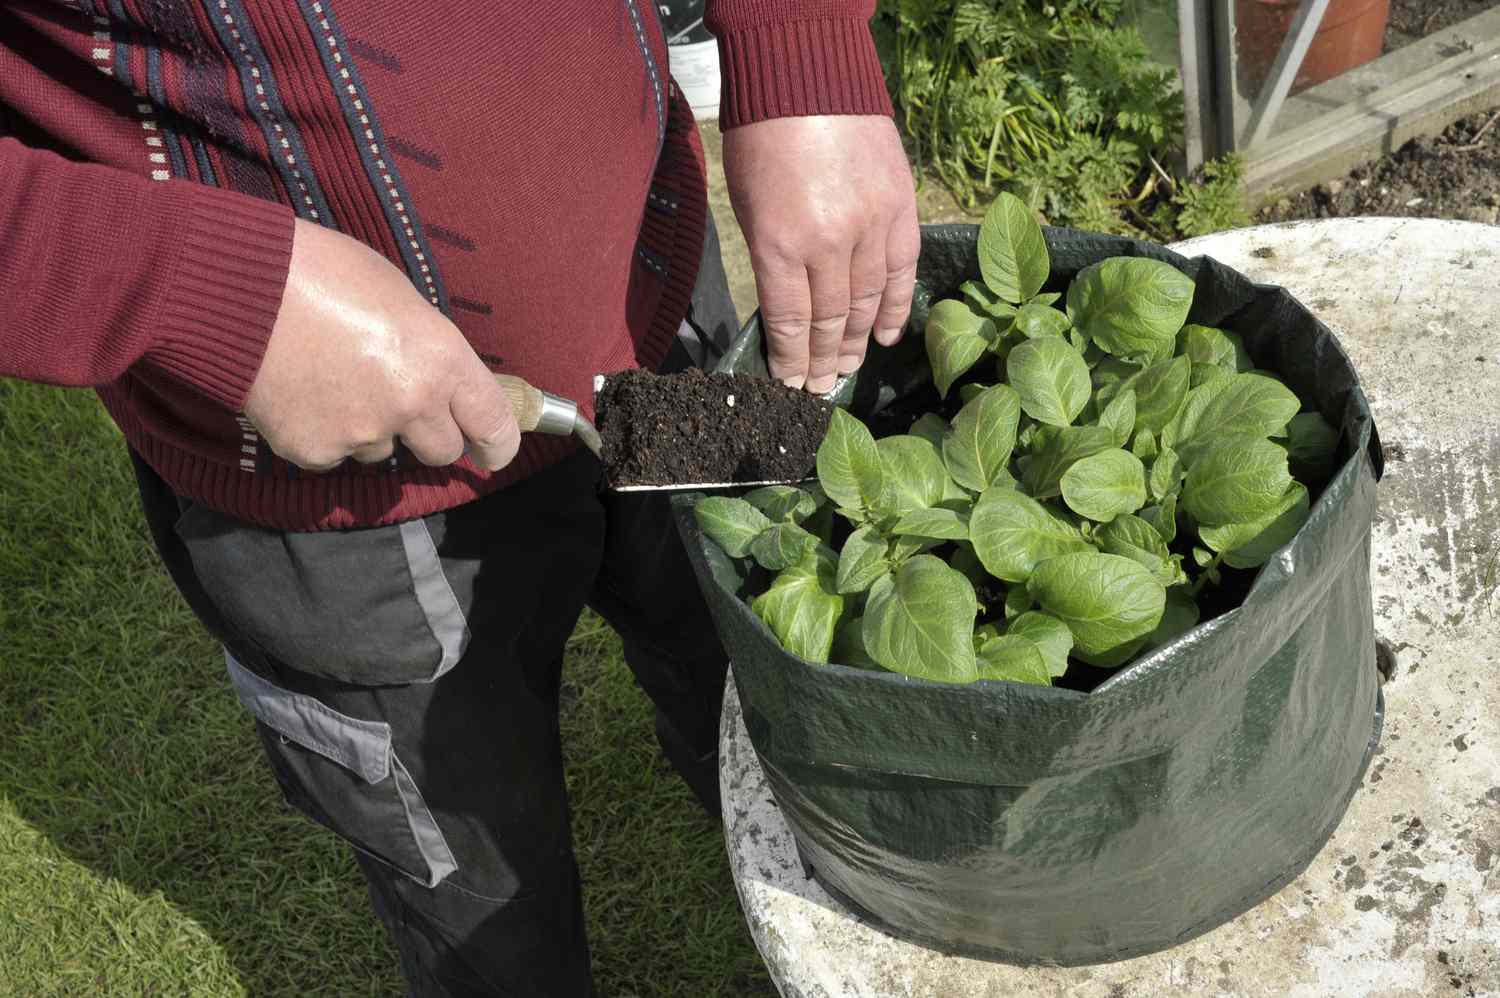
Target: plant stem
(1203, 577)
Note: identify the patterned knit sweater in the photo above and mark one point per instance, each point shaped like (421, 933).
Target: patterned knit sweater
(531, 168)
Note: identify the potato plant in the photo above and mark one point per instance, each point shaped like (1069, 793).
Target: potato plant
(1071, 511)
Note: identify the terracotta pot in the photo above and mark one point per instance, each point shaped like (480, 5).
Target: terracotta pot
(1351, 35)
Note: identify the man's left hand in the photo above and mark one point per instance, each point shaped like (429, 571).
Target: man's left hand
(828, 208)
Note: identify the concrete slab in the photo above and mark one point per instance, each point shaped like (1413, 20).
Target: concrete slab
(1405, 900)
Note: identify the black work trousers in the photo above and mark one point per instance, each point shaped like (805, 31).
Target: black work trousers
(405, 682)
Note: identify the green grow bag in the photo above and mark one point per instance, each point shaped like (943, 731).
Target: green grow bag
(1044, 825)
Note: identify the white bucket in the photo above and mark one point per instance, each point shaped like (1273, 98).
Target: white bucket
(694, 55)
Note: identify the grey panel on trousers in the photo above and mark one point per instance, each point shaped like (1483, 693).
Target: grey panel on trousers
(424, 828)
(441, 607)
(361, 746)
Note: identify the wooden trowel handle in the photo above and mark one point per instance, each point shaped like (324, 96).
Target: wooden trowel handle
(527, 401)
(542, 412)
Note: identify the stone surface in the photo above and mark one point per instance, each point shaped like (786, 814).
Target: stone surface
(1405, 900)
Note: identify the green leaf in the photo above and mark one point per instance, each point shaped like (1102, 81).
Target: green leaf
(1182, 427)
(1104, 485)
(1242, 360)
(1144, 445)
(1045, 298)
(1203, 557)
(958, 499)
(1015, 658)
(1131, 306)
(1178, 617)
(1049, 633)
(1051, 379)
(971, 391)
(1012, 532)
(919, 622)
(1028, 432)
(1163, 517)
(1054, 451)
(1012, 253)
(1107, 601)
(943, 524)
(849, 646)
(1119, 417)
(864, 559)
(1033, 321)
(903, 547)
(966, 562)
(913, 473)
(855, 516)
(931, 428)
(849, 466)
(1161, 390)
(1204, 373)
(783, 545)
(1248, 545)
(981, 299)
(1134, 538)
(1207, 345)
(1115, 657)
(978, 450)
(1236, 480)
(733, 524)
(802, 607)
(1166, 474)
(956, 339)
(1250, 405)
(783, 502)
(1017, 601)
(1312, 444)
(1110, 374)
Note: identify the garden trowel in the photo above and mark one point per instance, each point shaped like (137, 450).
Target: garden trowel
(542, 412)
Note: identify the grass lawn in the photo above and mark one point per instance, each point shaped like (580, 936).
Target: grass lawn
(144, 849)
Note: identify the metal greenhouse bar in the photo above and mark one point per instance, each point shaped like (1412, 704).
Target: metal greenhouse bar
(1306, 92)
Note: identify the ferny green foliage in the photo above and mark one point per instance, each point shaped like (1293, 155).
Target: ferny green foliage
(1057, 101)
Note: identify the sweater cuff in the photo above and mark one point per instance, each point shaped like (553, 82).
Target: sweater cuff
(232, 260)
(795, 68)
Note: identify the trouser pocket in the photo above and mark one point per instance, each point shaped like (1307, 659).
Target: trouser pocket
(370, 607)
(343, 772)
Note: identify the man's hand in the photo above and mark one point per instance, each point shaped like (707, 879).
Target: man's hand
(357, 359)
(828, 208)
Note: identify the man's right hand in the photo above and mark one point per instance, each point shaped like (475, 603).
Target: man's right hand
(357, 359)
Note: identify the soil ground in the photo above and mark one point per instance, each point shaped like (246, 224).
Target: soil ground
(697, 428)
(1413, 19)
(1452, 175)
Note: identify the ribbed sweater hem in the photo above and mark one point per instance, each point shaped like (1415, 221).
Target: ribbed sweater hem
(214, 326)
(798, 67)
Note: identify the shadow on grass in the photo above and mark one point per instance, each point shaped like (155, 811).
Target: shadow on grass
(142, 839)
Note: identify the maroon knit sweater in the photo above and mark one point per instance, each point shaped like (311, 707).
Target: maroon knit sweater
(531, 168)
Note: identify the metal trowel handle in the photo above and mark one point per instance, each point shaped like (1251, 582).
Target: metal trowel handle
(542, 412)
